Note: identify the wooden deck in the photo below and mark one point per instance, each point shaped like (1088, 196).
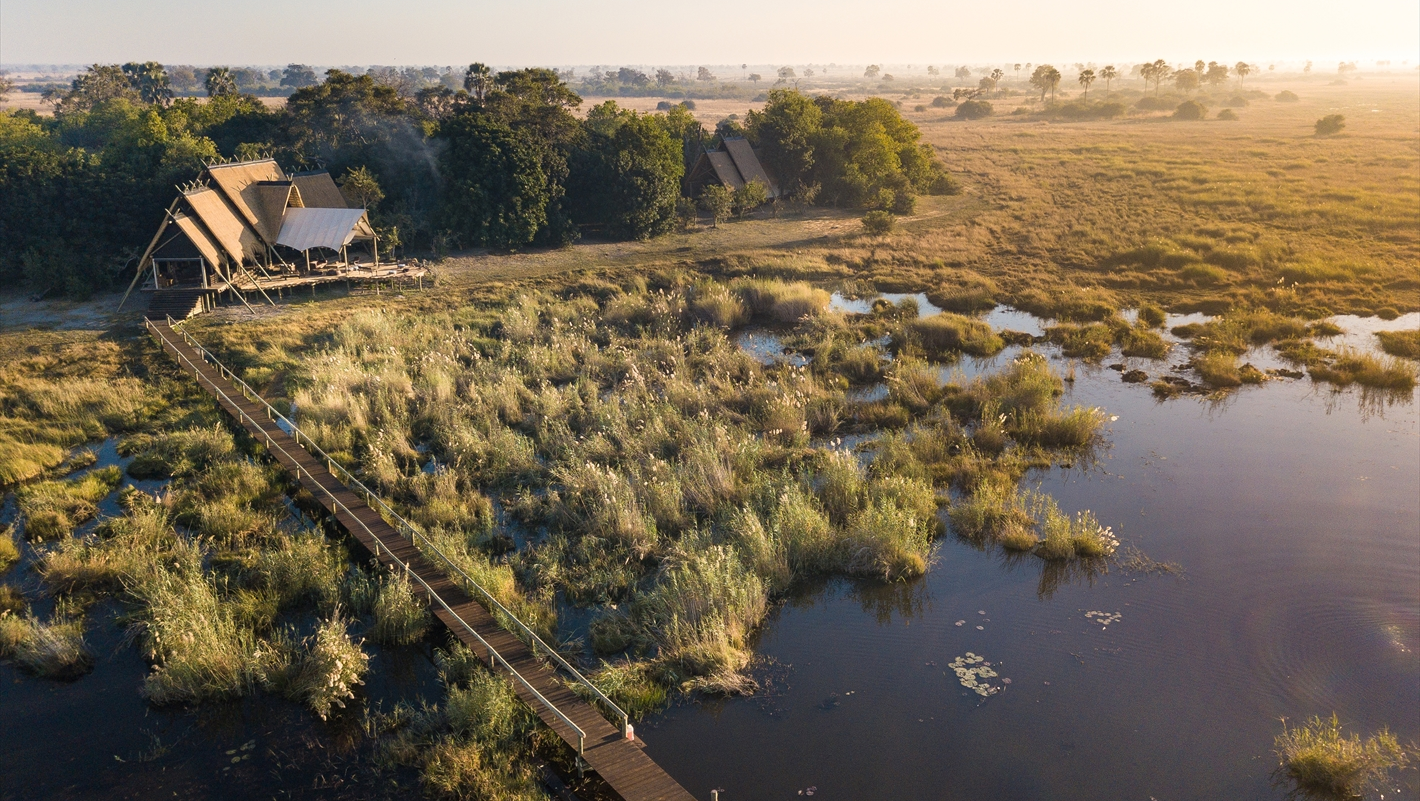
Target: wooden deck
(620, 762)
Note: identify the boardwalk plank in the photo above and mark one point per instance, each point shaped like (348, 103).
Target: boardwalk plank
(622, 763)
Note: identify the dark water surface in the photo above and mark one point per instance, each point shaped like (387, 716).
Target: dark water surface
(1295, 513)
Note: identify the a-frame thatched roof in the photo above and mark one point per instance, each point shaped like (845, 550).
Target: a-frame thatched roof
(733, 165)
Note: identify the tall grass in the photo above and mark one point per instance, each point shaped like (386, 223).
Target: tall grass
(1405, 344)
(946, 334)
(9, 551)
(199, 650)
(401, 617)
(780, 301)
(323, 670)
(52, 509)
(53, 650)
(1321, 762)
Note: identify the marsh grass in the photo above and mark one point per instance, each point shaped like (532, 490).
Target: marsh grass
(478, 744)
(177, 453)
(401, 617)
(322, 670)
(633, 686)
(1031, 521)
(948, 334)
(54, 650)
(780, 301)
(199, 649)
(52, 509)
(9, 550)
(1320, 762)
(1348, 366)
(1405, 344)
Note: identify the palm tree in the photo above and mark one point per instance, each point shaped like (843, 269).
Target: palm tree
(1018, 73)
(996, 76)
(1086, 78)
(150, 80)
(478, 80)
(1108, 73)
(1162, 71)
(1045, 77)
(1243, 70)
(220, 82)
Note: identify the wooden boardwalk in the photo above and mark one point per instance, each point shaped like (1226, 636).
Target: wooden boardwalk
(619, 761)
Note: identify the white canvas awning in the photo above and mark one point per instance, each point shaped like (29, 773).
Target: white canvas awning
(303, 229)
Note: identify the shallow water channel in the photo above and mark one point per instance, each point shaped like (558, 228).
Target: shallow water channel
(1294, 511)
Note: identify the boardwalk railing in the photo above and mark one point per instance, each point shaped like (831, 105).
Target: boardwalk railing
(401, 525)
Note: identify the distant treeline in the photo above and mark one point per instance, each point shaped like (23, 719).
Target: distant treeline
(500, 162)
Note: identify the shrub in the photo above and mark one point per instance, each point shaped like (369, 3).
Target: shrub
(878, 223)
(1237, 101)
(1287, 96)
(942, 102)
(1405, 344)
(1227, 115)
(1330, 124)
(974, 110)
(1322, 762)
(1152, 103)
(949, 333)
(1190, 110)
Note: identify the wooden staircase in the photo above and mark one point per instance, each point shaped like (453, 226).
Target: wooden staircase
(178, 304)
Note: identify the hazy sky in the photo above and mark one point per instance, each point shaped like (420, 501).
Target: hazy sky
(617, 32)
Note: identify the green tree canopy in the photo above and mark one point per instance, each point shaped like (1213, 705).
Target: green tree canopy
(626, 176)
(495, 192)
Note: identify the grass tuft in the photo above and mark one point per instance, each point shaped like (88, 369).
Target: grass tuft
(1405, 344)
(54, 650)
(1323, 763)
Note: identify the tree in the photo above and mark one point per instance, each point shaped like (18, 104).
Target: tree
(478, 80)
(1086, 78)
(933, 71)
(1242, 70)
(1158, 71)
(872, 71)
(1185, 80)
(664, 77)
(495, 192)
(996, 76)
(750, 197)
(360, 186)
(6, 87)
(1108, 74)
(784, 132)
(1045, 78)
(632, 77)
(1198, 66)
(298, 76)
(1217, 74)
(626, 174)
(755, 77)
(92, 88)
(150, 80)
(219, 82)
(704, 74)
(785, 73)
(1017, 68)
(1330, 124)
(963, 73)
(719, 200)
(437, 102)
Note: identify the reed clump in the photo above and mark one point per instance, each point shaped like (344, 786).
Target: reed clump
(52, 509)
(780, 301)
(948, 334)
(401, 617)
(1322, 762)
(9, 550)
(322, 670)
(1405, 344)
(1349, 366)
(53, 650)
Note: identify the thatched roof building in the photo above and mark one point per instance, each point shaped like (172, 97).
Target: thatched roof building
(242, 222)
(734, 164)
